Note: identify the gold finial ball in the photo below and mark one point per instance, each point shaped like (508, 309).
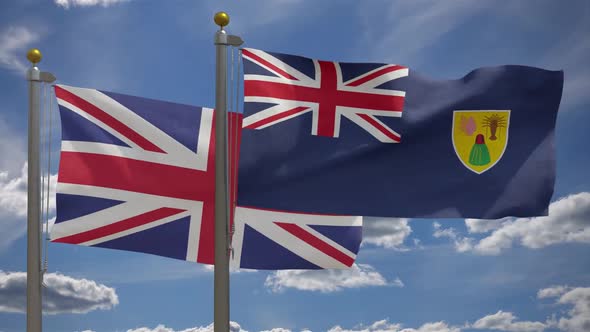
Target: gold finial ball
(34, 55)
(221, 19)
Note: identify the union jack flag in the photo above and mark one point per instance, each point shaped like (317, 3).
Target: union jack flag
(327, 90)
(137, 174)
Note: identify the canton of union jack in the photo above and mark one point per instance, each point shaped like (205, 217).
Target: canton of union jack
(326, 94)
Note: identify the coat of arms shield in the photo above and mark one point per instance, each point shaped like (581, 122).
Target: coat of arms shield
(480, 137)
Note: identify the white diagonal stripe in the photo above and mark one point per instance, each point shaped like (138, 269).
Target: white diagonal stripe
(372, 129)
(238, 238)
(296, 245)
(249, 214)
(134, 122)
(280, 80)
(329, 241)
(345, 110)
(140, 228)
(98, 219)
(271, 112)
(97, 122)
(377, 81)
(372, 90)
(278, 63)
(127, 196)
(130, 153)
(204, 139)
(194, 234)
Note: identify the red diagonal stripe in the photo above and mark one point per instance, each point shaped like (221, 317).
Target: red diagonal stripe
(376, 74)
(268, 64)
(106, 119)
(276, 117)
(316, 242)
(119, 226)
(379, 127)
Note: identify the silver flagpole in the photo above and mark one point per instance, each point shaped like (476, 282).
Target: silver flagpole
(221, 270)
(36, 79)
(33, 200)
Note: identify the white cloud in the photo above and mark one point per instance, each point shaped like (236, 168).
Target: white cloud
(434, 327)
(13, 205)
(232, 269)
(386, 232)
(462, 244)
(578, 318)
(13, 44)
(439, 232)
(417, 243)
(505, 321)
(475, 226)
(378, 326)
(385, 326)
(233, 327)
(326, 281)
(568, 222)
(381, 325)
(13, 194)
(11, 144)
(62, 294)
(553, 291)
(86, 3)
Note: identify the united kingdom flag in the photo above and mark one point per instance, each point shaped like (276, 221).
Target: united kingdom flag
(290, 86)
(137, 174)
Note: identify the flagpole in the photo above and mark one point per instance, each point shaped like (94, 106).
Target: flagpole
(36, 78)
(33, 199)
(221, 269)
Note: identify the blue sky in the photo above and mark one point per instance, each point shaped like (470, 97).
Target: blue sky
(412, 275)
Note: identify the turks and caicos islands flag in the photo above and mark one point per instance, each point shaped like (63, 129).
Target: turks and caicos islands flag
(322, 137)
(137, 174)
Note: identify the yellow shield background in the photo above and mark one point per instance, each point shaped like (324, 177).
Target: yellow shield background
(480, 137)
